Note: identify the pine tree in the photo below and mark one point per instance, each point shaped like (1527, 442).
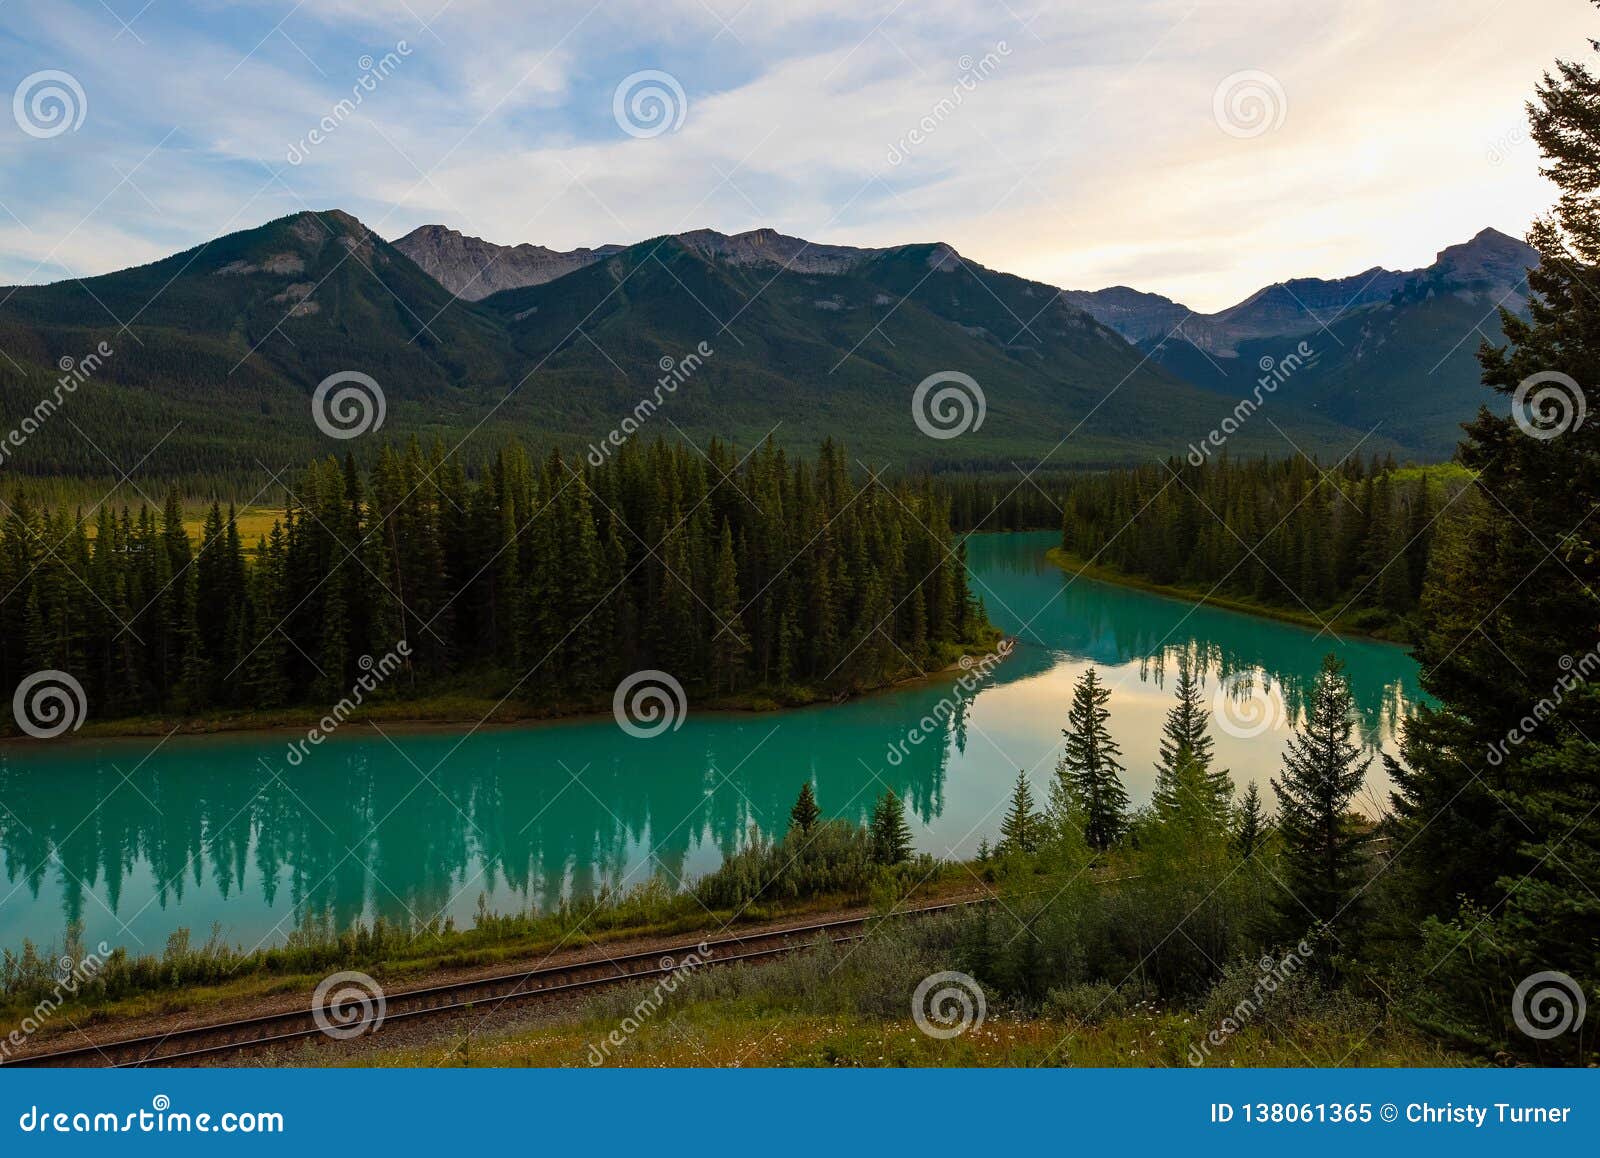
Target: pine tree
(266, 680)
(1322, 769)
(729, 643)
(890, 834)
(1500, 837)
(804, 815)
(1250, 822)
(1090, 762)
(1419, 535)
(1023, 828)
(175, 543)
(1185, 739)
(333, 656)
(195, 684)
(1063, 808)
(1193, 810)
(1395, 585)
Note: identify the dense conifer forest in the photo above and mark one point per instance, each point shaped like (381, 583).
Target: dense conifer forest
(1350, 542)
(1283, 533)
(769, 574)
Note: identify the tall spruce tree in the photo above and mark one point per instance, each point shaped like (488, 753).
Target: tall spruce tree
(1185, 739)
(1090, 761)
(729, 644)
(1063, 808)
(1492, 813)
(1322, 769)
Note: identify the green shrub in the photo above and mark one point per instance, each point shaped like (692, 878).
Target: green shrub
(1281, 996)
(834, 859)
(1091, 1003)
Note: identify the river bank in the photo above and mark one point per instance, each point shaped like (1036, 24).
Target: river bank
(466, 707)
(1387, 630)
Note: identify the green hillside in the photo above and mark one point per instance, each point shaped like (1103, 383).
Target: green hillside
(217, 350)
(1406, 367)
(841, 354)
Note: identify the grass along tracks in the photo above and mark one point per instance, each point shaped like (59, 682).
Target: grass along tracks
(330, 1021)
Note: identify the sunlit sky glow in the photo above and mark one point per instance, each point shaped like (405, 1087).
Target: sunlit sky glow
(1089, 155)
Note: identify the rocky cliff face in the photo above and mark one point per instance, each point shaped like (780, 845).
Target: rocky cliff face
(1134, 314)
(770, 248)
(472, 268)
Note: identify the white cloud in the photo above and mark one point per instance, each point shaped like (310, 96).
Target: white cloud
(1088, 157)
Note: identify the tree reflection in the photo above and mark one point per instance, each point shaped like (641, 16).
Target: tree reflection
(416, 826)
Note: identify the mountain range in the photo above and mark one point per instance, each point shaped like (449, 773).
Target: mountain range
(217, 351)
(1392, 350)
(1491, 263)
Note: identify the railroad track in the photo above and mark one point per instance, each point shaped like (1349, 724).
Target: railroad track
(199, 1043)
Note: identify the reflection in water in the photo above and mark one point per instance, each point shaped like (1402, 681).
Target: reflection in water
(1114, 626)
(418, 826)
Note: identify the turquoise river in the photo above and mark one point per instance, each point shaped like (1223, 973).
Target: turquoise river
(136, 841)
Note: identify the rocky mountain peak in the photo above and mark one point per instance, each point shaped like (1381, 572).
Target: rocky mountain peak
(1489, 256)
(472, 268)
(769, 247)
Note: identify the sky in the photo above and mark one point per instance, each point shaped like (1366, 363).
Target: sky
(1198, 150)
